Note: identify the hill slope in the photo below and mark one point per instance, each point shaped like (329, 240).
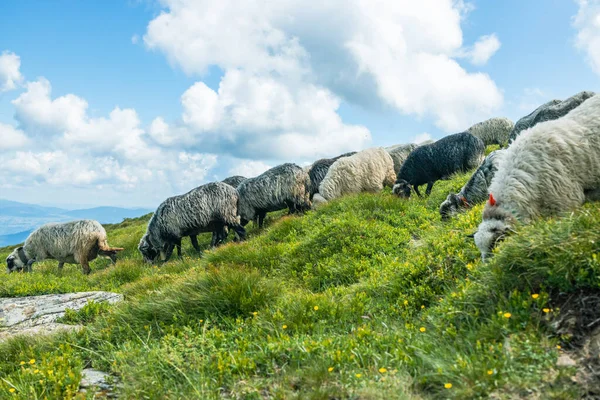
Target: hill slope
(368, 297)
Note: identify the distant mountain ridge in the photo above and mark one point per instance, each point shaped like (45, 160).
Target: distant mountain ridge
(18, 220)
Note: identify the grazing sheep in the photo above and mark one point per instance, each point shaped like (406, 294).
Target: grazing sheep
(318, 170)
(282, 186)
(475, 190)
(75, 242)
(549, 111)
(493, 131)
(551, 168)
(459, 152)
(366, 171)
(234, 180)
(207, 208)
(400, 152)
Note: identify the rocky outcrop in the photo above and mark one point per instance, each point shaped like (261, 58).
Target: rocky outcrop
(39, 314)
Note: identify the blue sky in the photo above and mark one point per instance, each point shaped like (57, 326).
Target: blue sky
(109, 55)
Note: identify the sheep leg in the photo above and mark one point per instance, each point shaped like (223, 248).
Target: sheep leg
(261, 219)
(239, 230)
(417, 190)
(85, 266)
(178, 245)
(429, 187)
(28, 265)
(61, 265)
(195, 244)
(169, 251)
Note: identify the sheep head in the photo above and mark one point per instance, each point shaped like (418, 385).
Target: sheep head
(402, 188)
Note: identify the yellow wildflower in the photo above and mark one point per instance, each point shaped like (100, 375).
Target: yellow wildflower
(507, 315)
(22, 362)
(315, 308)
(330, 369)
(448, 385)
(405, 302)
(50, 372)
(490, 372)
(382, 370)
(32, 361)
(422, 306)
(358, 375)
(12, 390)
(422, 329)
(535, 296)
(546, 310)
(255, 313)
(558, 347)
(284, 327)
(201, 321)
(36, 371)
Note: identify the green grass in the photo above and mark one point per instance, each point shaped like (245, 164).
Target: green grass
(370, 297)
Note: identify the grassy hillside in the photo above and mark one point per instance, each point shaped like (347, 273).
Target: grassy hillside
(370, 297)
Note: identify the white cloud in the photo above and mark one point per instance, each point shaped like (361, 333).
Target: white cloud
(485, 47)
(248, 168)
(112, 153)
(254, 116)
(10, 74)
(422, 137)
(397, 53)
(12, 138)
(587, 23)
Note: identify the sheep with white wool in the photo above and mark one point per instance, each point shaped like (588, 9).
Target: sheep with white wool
(234, 180)
(459, 152)
(549, 111)
(475, 191)
(318, 170)
(551, 168)
(207, 208)
(75, 242)
(365, 171)
(493, 131)
(283, 186)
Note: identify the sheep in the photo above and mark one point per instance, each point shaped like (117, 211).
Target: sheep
(474, 191)
(318, 170)
(549, 111)
(365, 171)
(493, 131)
(551, 168)
(207, 208)
(459, 152)
(282, 186)
(74, 242)
(234, 180)
(399, 153)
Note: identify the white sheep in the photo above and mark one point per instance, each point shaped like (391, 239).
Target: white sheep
(550, 168)
(366, 171)
(75, 242)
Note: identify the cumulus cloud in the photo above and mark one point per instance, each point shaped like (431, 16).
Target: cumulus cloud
(12, 138)
(485, 47)
(10, 74)
(422, 137)
(587, 23)
(249, 168)
(71, 149)
(399, 54)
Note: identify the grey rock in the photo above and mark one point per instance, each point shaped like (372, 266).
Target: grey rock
(39, 314)
(101, 383)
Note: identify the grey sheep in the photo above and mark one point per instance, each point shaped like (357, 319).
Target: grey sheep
(283, 186)
(475, 191)
(459, 152)
(234, 180)
(549, 111)
(400, 152)
(493, 131)
(318, 170)
(207, 208)
(75, 242)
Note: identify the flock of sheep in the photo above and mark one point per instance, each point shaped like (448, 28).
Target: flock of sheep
(549, 163)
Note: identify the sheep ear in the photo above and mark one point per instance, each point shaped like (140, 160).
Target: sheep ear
(472, 235)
